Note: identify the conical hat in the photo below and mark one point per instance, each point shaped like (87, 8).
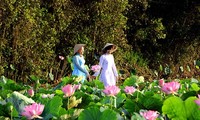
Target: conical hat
(77, 47)
(110, 44)
(107, 44)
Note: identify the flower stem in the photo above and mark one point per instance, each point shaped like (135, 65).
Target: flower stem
(137, 97)
(68, 103)
(11, 116)
(11, 110)
(111, 100)
(115, 102)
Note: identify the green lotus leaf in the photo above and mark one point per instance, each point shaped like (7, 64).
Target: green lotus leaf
(94, 113)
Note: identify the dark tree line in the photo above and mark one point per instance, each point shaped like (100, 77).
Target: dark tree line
(151, 35)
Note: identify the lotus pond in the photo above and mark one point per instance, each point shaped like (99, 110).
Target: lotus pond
(134, 99)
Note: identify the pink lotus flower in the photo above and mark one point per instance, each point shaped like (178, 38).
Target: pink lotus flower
(161, 82)
(149, 115)
(61, 57)
(33, 111)
(31, 92)
(111, 90)
(95, 68)
(198, 100)
(68, 90)
(129, 89)
(170, 87)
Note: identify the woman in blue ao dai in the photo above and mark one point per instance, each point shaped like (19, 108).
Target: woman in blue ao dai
(79, 63)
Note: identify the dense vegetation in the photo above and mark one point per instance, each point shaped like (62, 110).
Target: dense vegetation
(156, 38)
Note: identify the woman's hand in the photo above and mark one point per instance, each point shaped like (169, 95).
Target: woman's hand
(89, 78)
(93, 77)
(117, 79)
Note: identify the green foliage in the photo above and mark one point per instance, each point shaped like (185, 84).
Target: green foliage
(175, 108)
(120, 99)
(89, 102)
(53, 107)
(95, 83)
(192, 109)
(13, 104)
(134, 58)
(98, 84)
(130, 81)
(158, 33)
(95, 113)
(5, 93)
(34, 34)
(8, 85)
(4, 118)
(86, 99)
(131, 106)
(154, 31)
(195, 87)
(153, 101)
(30, 41)
(8, 109)
(136, 116)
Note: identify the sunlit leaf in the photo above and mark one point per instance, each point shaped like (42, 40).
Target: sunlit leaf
(94, 113)
(174, 108)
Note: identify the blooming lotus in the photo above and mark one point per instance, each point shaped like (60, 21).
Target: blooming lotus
(170, 87)
(161, 82)
(129, 89)
(95, 68)
(33, 111)
(68, 90)
(31, 92)
(149, 115)
(111, 90)
(198, 100)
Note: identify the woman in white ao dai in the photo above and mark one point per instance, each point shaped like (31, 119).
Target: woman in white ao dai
(108, 73)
